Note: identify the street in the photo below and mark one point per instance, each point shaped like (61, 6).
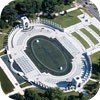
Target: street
(90, 7)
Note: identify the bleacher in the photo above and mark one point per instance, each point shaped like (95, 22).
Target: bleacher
(50, 80)
(69, 46)
(24, 64)
(20, 40)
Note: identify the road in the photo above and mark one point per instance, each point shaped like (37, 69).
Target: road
(90, 7)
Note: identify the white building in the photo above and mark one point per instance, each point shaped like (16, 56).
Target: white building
(25, 22)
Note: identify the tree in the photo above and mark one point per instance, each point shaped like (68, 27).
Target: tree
(17, 97)
(21, 7)
(9, 14)
(31, 95)
(54, 94)
(65, 98)
(38, 7)
(48, 6)
(59, 2)
(80, 96)
(71, 97)
(67, 2)
(58, 8)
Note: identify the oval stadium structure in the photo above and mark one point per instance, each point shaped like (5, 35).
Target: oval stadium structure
(47, 56)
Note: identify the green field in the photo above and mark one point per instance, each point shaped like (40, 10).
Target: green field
(95, 58)
(95, 29)
(48, 56)
(25, 84)
(2, 39)
(87, 33)
(85, 44)
(67, 19)
(6, 30)
(5, 82)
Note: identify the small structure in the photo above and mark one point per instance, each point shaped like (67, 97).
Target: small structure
(78, 81)
(37, 41)
(25, 23)
(61, 68)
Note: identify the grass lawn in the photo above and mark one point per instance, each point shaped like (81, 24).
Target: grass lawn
(67, 19)
(5, 82)
(6, 30)
(25, 84)
(96, 58)
(2, 39)
(66, 7)
(85, 44)
(95, 29)
(87, 33)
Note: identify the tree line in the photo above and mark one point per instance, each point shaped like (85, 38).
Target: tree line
(29, 8)
(57, 94)
(49, 94)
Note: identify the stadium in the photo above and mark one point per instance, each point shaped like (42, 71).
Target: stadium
(47, 56)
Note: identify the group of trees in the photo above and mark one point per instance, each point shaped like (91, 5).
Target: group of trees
(49, 94)
(96, 71)
(92, 89)
(57, 94)
(29, 8)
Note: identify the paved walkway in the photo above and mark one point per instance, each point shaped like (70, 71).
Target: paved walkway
(3, 33)
(2, 50)
(93, 80)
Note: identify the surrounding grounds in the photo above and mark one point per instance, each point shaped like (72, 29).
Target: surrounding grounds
(52, 53)
(68, 19)
(5, 82)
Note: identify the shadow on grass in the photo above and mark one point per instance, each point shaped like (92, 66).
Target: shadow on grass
(96, 70)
